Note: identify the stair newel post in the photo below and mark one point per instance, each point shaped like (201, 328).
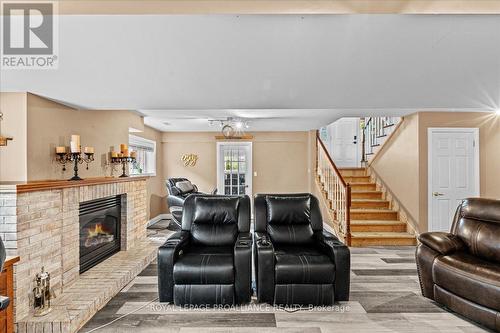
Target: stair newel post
(348, 214)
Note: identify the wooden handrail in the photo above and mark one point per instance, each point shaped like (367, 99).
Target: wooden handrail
(337, 172)
(336, 191)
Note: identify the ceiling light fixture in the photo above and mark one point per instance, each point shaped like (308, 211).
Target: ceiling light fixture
(230, 127)
(497, 112)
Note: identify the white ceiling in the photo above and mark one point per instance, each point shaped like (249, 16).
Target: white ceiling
(300, 71)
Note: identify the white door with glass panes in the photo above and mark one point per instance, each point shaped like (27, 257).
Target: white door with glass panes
(234, 168)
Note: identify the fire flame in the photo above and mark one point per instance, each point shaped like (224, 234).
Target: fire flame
(97, 236)
(97, 231)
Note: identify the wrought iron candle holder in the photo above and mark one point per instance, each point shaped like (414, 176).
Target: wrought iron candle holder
(76, 158)
(124, 161)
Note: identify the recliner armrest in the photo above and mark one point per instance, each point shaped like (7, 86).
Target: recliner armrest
(167, 253)
(174, 200)
(341, 256)
(243, 267)
(264, 267)
(442, 242)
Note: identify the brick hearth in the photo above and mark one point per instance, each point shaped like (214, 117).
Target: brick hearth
(41, 225)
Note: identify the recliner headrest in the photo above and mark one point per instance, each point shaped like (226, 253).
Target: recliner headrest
(288, 209)
(184, 186)
(218, 210)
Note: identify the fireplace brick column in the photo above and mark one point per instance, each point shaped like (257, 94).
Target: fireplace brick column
(42, 227)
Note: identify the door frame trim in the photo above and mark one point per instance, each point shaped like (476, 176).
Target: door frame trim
(430, 131)
(220, 180)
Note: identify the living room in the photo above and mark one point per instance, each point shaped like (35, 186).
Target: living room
(241, 166)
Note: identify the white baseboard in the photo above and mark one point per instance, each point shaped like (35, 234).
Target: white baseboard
(158, 218)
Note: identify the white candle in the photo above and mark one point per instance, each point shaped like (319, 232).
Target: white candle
(60, 150)
(75, 143)
(75, 138)
(75, 148)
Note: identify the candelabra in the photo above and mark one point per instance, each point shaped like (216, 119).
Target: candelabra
(76, 158)
(124, 161)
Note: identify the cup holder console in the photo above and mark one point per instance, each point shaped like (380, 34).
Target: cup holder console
(264, 242)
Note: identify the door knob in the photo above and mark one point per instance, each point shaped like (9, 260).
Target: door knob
(437, 194)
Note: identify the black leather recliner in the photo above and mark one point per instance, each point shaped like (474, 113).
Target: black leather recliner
(296, 261)
(176, 197)
(210, 260)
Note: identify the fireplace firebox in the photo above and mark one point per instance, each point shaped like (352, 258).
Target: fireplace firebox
(99, 230)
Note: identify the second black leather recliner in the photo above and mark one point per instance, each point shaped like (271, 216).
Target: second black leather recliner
(209, 261)
(296, 261)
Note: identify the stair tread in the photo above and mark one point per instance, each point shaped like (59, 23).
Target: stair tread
(368, 200)
(366, 191)
(375, 222)
(377, 234)
(352, 168)
(371, 210)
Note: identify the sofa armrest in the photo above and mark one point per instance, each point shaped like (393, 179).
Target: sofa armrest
(243, 267)
(442, 242)
(341, 256)
(167, 253)
(264, 267)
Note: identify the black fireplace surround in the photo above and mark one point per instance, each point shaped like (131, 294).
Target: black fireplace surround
(99, 230)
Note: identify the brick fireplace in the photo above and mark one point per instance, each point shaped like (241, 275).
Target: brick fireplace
(41, 224)
(100, 225)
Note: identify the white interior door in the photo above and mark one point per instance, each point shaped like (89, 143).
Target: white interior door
(234, 168)
(453, 172)
(345, 143)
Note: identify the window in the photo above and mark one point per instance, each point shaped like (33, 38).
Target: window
(145, 163)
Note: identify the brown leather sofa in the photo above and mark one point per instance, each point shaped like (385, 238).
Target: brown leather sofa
(461, 269)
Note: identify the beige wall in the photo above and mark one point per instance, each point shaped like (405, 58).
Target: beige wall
(403, 162)
(51, 124)
(397, 164)
(39, 125)
(233, 7)
(279, 158)
(13, 161)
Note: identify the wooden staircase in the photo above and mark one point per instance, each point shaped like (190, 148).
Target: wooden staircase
(372, 221)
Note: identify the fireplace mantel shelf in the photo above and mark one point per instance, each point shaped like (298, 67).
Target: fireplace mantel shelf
(43, 185)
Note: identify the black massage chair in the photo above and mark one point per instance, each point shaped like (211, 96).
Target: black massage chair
(178, 190)
(208, 262)
(296, 261)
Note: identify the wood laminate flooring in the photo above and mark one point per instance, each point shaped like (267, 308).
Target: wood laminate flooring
(385, 297)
